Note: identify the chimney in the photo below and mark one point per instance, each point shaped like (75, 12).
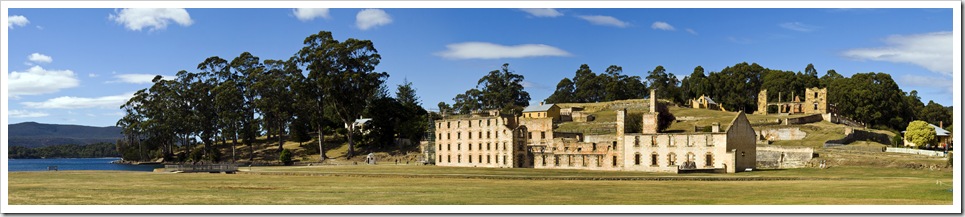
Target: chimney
(653, 101)
(541, 103)
(941, 125)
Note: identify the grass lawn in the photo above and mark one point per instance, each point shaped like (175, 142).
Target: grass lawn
(856, 185)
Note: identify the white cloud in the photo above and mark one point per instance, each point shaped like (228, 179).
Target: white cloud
(798, 26)
(605, 21)
(16, 20)
(542, 12)
(740, 40)
(153, 19)
(534, 85)
(26, 114)
(662, 26)
(485, 50)
(92, 75)
(942, 83)
(38, 80)
(369, 18)
(40, 58)
(932, 51)
(691, 31)
(135, 78)
(70, 102)
(306, 14)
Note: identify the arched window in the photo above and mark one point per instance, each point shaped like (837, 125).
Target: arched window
(671, 159)
(544, 160)
(615, 161)
(594, 146)
(449, 158)
(480, 146)
(470, 145)
(614, 145)
(709, 159)
(583, 159)
(636, 141)
(556, 160)
(448, 147)
(636, 159)
(458, 146)
(653, 159)
(440, 156)
(691, 157)
(487, 146)
(459, 158)
(470, 158)
(504, 160)
(489, 159)
(480, 158)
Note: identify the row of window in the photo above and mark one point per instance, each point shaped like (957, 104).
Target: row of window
(672, 159)
(583, 160)
(489, 134)
(489, 159)
(521, 146)
(653, 141)
(459, 123)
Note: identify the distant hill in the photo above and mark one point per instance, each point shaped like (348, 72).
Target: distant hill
(33, 134)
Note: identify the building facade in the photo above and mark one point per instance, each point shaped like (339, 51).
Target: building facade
(528, 141)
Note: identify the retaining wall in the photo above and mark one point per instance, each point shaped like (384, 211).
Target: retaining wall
(916, 151)
(776, 157)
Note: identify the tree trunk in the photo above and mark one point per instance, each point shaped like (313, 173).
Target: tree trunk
(233, 144)
(351, 142)
(321, 139)
(281, 139)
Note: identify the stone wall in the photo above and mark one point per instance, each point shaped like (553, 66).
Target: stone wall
(741, 142)
(916, 151)
(672, 150)
(780, 134)
(776, 157)
(804, 120)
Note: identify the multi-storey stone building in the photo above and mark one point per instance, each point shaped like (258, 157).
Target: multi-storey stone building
(528, 141)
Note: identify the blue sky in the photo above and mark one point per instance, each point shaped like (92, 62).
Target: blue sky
(76, 66)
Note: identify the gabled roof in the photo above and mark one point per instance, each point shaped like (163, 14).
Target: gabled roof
(709, 101)
(538, 108)
(939, 131)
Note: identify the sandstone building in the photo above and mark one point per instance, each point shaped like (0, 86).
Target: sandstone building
(815, 102)
(529, 141)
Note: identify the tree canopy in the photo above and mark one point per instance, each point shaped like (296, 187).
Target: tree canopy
(921, 134)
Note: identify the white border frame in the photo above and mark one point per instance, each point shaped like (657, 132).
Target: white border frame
(956, 207)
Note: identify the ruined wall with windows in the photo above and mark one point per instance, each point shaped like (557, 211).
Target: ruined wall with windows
(667, 152)
(476, 141)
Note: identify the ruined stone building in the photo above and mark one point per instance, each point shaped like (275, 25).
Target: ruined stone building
(529, 141)
(815, 102)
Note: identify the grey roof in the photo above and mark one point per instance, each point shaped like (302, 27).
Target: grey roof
(362, 121)
(938, 131)
(538, 108)
(709, 101)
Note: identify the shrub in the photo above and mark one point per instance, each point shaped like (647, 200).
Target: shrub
(285, 157)
(950, 161)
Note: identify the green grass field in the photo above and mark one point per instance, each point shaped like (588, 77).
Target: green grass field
(423, 185)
